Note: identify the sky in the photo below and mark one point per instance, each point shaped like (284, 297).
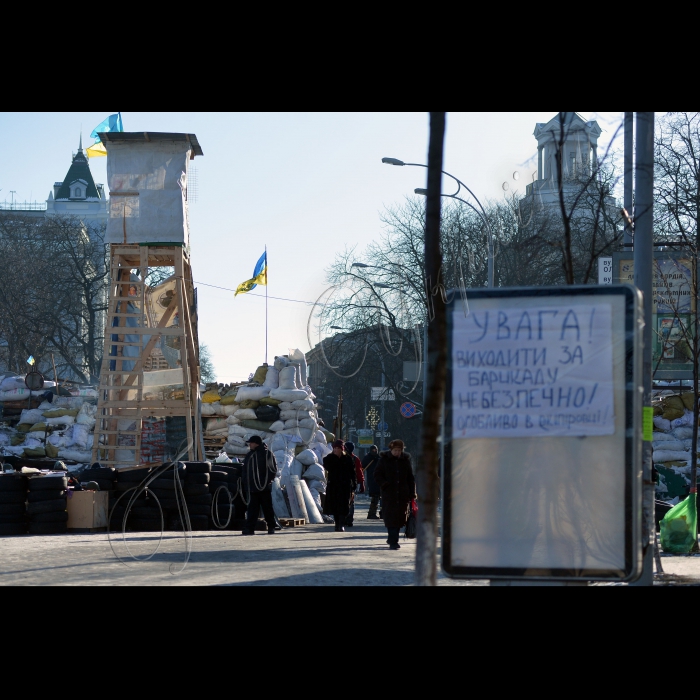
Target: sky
(305, 184)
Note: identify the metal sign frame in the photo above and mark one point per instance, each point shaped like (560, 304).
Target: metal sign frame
(627, 432)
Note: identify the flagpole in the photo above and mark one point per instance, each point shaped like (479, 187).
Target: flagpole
(267, 280)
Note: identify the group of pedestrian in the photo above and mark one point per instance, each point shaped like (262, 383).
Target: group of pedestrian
(386, 476)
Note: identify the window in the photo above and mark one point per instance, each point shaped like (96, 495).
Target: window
(77, 192)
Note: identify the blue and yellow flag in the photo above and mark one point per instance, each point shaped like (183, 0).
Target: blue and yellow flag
(259, 276)
(112, 123)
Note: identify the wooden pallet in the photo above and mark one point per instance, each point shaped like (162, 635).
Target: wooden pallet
(291, 522)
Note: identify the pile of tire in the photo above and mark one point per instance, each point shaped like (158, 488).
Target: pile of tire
(46, 505)
(228, 476)
(164, 490)
(13, 504)
(197, 495)
(104, 477)
(141, 517)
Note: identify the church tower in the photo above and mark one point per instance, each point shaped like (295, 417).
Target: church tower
(78, 195)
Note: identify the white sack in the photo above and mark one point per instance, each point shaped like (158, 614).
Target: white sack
(294, 414)
(297, 355)
(61, 420)
(659, 437)
(320, 450)
(296, 468)
(306, 457)
(280, 362)
(16, 451)
(304, 404)
(309, 423)
(245, 414)
(319, 437)
(229, 409)
(235, 449)
(682, 433)
(245, 432)
(77, 455)
(36, 435)
(59, 440)
(215, 424)
(31, 416)
(277, 425)
(669, 456)
(662, 423)
(208, 409)
(287, 379)
(304, 434)
(252, 393)
(81, 436)
(315, 472)
(317, 498)
(87, 415)
(272, 378)
(287, 394)
(284, 406)
(232, 420)
(315, 485)
(673, 445)
(686, 419)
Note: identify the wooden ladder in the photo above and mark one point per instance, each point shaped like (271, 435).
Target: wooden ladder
(132, 332)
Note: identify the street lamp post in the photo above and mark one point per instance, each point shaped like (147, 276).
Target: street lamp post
(482, 213)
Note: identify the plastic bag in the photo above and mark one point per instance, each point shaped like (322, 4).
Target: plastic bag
(677, 528)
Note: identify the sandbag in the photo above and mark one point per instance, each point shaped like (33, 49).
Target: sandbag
(320, 437)
(252, 393)
(80, 436)
(10, 383)
(320, 449)
(669, 456)
(298, 356)
(285, 405)
(260, 374)
(313, 512)
(314, 472)
(31, 416)
(288, 394)
(296, 468)
(244, 432)
(293, 414)
(228, 409)
(281, 362)
(267, 401)
(304, 404)
(303, 433)
(272, 378)
(235, 439)
(315, 485)
(306, 457)
(38, 427)
(62, 420)
(80, 456)
(330, 437)
(267, 413)
(277, 426)
(245, 414)
(51, 451)
(208, 409)
(232, 420)
(249, 403)
(235, 449)
(257, 425)
(308, 423)
(280, 442)
(287, 379)
(279, 505)
(682, 433)
(87, 415)
(214, 424)
(210, 396)
(229, 400)
(34, 453)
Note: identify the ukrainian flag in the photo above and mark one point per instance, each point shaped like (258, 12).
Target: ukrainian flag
(259, 276)
(112, 123)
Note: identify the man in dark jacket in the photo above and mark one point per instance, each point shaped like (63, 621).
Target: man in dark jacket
(342, 482)
(258, 473)
(360, 475)
(369, 463)
(394, 474)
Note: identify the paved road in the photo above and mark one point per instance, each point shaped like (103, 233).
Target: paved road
(312, 555)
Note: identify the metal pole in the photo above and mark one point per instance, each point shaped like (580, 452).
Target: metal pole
(383, 402)
(628, 175)
(490, 273)
(643, 261)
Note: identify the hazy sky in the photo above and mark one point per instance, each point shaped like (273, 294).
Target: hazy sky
(305, 184)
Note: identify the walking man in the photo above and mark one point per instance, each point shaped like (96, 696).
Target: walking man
(259, 471)
(360, 475)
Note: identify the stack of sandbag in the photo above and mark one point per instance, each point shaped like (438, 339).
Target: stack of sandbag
(672, 443)
(46, 504)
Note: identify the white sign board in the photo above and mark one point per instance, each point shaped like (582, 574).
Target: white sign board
(382, 393)
(536, 371)
(605, 270)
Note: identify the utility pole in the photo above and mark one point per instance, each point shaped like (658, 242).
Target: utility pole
(427, 478)
(643, 261)
(628, 177)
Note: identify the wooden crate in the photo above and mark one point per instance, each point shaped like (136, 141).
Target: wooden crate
(87, 510)
(291, 522)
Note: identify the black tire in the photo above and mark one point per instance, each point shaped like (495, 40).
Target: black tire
(47, 528)
(196, 489)
(133, 476)
(125, 485)
(13, 509)
(13, 529)
(198, 467)
(204, 500)
(217, 475)
(198, 510)
(230, 470)
(37, 496)
(163, 494)
(46, 483)
(163, 484)
(59, 516)
(145, 513)
(21, 518)
(197, 479)
(102, 483)
(58, 504)
(12, 497)
(104, 474)
(12, 482)
(169, 504)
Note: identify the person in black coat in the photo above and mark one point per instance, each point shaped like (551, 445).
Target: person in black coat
(341, 485)
(369, 463)
(258, 473)
(394, 474)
